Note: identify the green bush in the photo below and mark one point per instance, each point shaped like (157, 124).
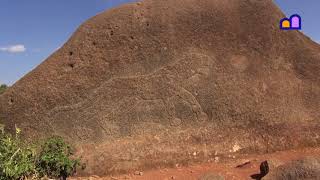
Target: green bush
(54, 159)
(19, 160)
(3, 87)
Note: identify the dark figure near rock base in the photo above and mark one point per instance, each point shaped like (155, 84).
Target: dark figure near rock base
(264, 170)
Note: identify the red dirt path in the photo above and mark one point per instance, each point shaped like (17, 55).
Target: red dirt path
(226, 169)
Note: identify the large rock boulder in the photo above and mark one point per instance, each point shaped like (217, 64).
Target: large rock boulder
(160, 82)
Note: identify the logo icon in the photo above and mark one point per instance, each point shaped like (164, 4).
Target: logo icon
(292, 23)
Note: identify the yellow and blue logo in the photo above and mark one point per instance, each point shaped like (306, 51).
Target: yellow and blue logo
(292, 23)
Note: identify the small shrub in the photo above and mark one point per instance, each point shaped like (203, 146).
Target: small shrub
(54, 159)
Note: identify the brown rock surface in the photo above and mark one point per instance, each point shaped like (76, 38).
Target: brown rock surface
(150, 83)
(303, 169)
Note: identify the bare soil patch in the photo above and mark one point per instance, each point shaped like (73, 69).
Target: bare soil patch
(229, 169)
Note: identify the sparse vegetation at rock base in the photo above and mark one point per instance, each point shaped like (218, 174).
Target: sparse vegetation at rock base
(3, 87)
(19, 160)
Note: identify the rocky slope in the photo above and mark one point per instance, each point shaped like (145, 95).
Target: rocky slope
(159, 82)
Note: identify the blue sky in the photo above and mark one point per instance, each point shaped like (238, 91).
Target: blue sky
(33, 29)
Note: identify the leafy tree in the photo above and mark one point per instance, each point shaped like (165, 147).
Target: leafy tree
(3, 87)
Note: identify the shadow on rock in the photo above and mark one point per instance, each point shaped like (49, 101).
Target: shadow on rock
(264, 170)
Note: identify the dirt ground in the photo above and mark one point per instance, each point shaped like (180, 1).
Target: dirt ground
(229, 169)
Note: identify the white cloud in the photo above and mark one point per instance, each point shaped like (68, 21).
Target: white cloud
(19, 48)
